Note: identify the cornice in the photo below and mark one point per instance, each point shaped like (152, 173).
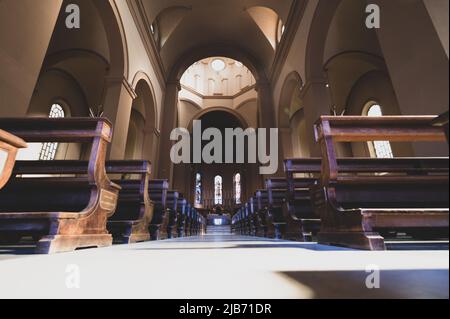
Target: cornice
(137, 10)
(220, 97)
(293, 22)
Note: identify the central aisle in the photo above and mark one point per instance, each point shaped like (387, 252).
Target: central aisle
(221, 265)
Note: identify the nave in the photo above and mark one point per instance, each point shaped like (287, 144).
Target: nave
(221, 265)
(117, 174)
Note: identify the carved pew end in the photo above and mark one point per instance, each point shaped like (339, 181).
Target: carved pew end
(69, 243)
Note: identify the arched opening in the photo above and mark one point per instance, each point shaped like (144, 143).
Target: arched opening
(378, 149)
(48, 150)
(218, 190)
(237, 188)
(291, 119)
(216, 76)
(198, 189)
(77, 65)
(142, 136)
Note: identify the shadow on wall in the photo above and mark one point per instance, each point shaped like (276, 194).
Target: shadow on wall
(394, 284)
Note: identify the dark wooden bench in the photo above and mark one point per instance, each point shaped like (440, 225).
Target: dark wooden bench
(60, 213)
(360, 204)
(183, 206)
(255, 220)
(442, 121)
(262, 205)
(193, 225)
(9, 145)
(134, 211)
(188, 220)
(169, 227)
(130, 223)
(290, 205)
(158, 195)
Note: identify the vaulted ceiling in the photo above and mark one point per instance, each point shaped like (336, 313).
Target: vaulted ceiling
(182, 26)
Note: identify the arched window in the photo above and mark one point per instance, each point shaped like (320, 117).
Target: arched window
(381, 149)
(218, 190)
(48, 150)
(198, 189)
(237, 188)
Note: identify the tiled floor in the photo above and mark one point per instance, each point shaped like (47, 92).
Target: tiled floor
(224, 266)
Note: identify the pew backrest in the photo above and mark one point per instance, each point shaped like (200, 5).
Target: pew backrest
(9, 144)
(334, 129)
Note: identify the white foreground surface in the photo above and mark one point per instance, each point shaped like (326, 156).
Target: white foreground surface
(224, 266)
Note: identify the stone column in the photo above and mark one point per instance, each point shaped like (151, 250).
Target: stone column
(169, 122)
(317, 101)
(26, 28)
(150, 147)
(118, 103)
(285, 148)
(416, 60)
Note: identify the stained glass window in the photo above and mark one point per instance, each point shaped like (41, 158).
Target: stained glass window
(382, 148)
(48, 150)
(237, 188)
(198, 189)
(218, 190)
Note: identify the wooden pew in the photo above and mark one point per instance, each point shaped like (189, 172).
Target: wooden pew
(294, 216)
(182, 215)
(169, 228)
(134, 211)
(194, 223)
(9, 147)
(130, 223)
(256, 229)
(61, 213)
(188, 221)
(158, 194)
(262, 204)
(302, 222)
(442, 121)
(381, 196)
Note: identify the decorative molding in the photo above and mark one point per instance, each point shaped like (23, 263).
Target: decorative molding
(292, 24)
(137, 10)
(124, 82)
(220, 97)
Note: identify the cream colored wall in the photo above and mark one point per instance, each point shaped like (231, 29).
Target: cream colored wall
(25, 32)
(297, 54)
(438, 10)
(249, 110)
(198, 75)
(139, 61)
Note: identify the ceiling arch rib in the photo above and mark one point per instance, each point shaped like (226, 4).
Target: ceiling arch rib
(168, 20)
(191, 24)
(268, 21)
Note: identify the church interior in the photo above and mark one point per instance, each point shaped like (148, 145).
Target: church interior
(92, 93)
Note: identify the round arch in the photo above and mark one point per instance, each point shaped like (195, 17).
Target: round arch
(318, 33)
(139, 78)
(118, 47)
(232, 112)
(245, 102)
(203, 52)
(292, 81)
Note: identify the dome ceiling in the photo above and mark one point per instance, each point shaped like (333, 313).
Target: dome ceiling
(181, 26)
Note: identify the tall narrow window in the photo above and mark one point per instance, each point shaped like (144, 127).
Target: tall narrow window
(237, 188)
(382, 149)
(198, 189)
(218, 190)
(48, 150)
